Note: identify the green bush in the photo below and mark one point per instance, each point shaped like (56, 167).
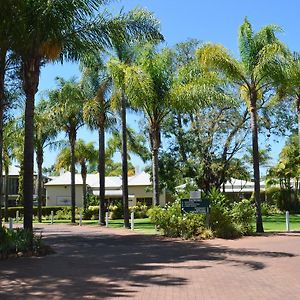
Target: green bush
(46, 210)
(92, 200)
(115, 211)
(269, 209)
(175, 224)
(18, 240)
(243, 214)
(140, 210)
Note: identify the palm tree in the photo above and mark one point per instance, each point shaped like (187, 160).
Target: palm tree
(67, 106)
(5, 34)
(254, 73)
(148, 84)
(45, 135)
(98, 115)
(288, 84)
(51, 30)
(84, 154)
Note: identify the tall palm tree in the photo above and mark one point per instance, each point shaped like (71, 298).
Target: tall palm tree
(5, 35)
(98, 115)
(254, 73)
(67, 106)
(84, 153)
(288, 84)
(50, 30)
(45, 136)
(148, 84)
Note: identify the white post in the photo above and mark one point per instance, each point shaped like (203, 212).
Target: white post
(106, 219)
(80, 218)
(17, 216)
(52, 216)
(99, 217)
(132, 220)
(287, 221)
(11, 224)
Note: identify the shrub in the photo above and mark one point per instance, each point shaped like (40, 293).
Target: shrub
(46, 210)
(269, 209)
(175, 224)
(243, 214)
(140, 210)
(115, 211)
(19, 240)
(92, 200)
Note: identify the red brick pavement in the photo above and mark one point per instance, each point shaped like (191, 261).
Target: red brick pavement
(103, 263)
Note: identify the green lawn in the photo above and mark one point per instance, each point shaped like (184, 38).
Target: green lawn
(277, 222)
(271, 223)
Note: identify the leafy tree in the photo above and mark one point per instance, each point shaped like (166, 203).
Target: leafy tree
(85, 153)
(45, 136)
(98, 114)
(50, 30)
(67, 107)
(147, 84)
(255, 74)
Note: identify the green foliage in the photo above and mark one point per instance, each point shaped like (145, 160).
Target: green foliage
(115, 211)
(269, 209)
(46, 210)
(92, 200)
(243, 214)
(140, 210)
(175, 224)
(19, 240)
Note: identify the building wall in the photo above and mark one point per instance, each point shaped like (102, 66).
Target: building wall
(61, 195)
(58, 195)
(143, 192)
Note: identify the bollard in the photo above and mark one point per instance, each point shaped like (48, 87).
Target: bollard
(106, 219)
(17, 216)
(80, 218)
(132, 220)
(52, 216)
(287, 221)
(11, 224)
(99, 216)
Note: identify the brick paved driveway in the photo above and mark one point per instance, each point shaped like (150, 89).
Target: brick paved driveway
(102, 263)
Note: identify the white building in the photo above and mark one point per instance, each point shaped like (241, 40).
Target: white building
(58, 190)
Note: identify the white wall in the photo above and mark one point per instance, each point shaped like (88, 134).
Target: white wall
(56, 194)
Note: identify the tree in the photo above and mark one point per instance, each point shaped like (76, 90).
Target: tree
(45, 135)
(85, 154)
(98, 115)
(67, 106)
(50, 30)
(288, 83)
(255, 74)
(147, 84)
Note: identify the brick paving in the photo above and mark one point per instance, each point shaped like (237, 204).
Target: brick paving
(103, 263)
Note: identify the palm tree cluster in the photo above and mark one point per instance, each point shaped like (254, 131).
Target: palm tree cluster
(123, 67)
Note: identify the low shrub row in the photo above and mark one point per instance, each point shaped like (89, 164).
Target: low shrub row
(46, 210)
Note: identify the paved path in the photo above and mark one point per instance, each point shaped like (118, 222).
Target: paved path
(94, 263)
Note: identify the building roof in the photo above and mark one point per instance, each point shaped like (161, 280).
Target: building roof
(111, 182)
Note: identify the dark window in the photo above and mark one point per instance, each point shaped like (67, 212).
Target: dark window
(145, 201)
(13, 185)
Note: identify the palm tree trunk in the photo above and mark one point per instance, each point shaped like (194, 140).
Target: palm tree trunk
(39, 160)
(83, 175)
(124, 163)
(6, 172)
(101, 170)
(253, 114)
(298, 115)
(31, 72)
(2, 103)
(155, 137)
(72, 139)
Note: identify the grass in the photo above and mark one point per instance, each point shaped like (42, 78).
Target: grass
(277, 222)
(144, 226)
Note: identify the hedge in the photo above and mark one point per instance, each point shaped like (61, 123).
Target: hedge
(46, 210)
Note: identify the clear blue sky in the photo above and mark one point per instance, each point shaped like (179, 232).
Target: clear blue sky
(214, 21)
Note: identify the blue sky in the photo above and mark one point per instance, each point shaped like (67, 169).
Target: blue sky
(209, 21)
